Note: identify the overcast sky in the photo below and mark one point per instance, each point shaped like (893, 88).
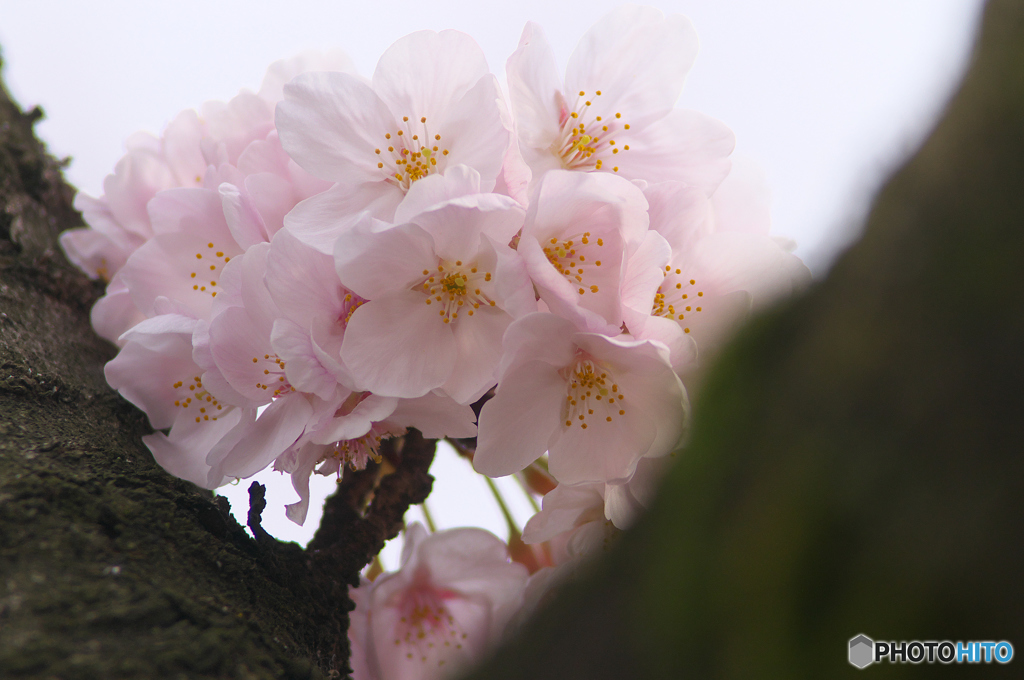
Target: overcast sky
(825, 95)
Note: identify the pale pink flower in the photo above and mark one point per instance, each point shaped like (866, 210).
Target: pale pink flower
(442, 289)
(614, 110)
(442, 610)
(582, 520)
(156, 372)
(350, 433)
(118, 221)
(580, 232)
(432, 104)
(596, 404)
(719, 270)
(239, 132)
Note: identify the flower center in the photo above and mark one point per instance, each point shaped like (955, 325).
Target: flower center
(200, 276)
(676, 297)
(350, 303)
(587, 140)
(569, 258)
(273, 370)
(590, 392)
(202, 402)
(455, 288)
(427, 629)
(411, 153)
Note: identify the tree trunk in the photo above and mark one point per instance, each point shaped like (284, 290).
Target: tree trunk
(110, 567)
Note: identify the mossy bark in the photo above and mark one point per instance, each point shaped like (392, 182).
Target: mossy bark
(109, 567)
(857, 458)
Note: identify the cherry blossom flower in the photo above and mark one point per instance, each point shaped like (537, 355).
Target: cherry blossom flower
(719, 271)
(432, 104)
(239, 132)
(580, 232)
(156, 372)
(443, 609)
(614, 111)
(597, 404)
(350, 433)
(441, 290)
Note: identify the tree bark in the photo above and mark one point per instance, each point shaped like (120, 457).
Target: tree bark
(109, 567)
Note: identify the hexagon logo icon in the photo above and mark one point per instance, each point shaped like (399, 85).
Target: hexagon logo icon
(862, 651)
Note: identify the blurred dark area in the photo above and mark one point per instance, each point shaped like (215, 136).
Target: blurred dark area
(857, 458)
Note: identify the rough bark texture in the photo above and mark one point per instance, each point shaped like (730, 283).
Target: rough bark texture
(857, 460)
(109, 567)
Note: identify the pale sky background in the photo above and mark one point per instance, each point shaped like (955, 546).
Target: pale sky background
(826, 96)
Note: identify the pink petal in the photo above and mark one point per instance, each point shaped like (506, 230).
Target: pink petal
(637, 57)
(534, 88)
(397, 346)
(423, 73)
(330, 123)
(372, 263)
(478, 342)
(319, 220)
(275, 430)
(516, 425)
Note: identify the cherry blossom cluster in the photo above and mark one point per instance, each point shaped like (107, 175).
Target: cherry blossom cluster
(301, 273)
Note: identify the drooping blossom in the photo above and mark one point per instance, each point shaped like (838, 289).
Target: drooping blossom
(445, 607)
(613, 112)
(597, 404)
(583, 520)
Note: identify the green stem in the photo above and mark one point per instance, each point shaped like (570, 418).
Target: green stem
(427, 516)
(513, 529)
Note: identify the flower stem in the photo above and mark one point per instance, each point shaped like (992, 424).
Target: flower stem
(513, 529)
(427, 516)
(529, 495)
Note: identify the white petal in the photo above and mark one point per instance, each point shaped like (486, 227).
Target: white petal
(302, 366)
(372, 263)
(456, 181)
(435, 416)
(687, 146)
(478, 341)
(302, 280)
(538, 337)
(474, 134)
(679, 212)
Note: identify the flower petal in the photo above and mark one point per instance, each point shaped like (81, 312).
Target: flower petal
(397, 346)
(330, 123)
(517, 423)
